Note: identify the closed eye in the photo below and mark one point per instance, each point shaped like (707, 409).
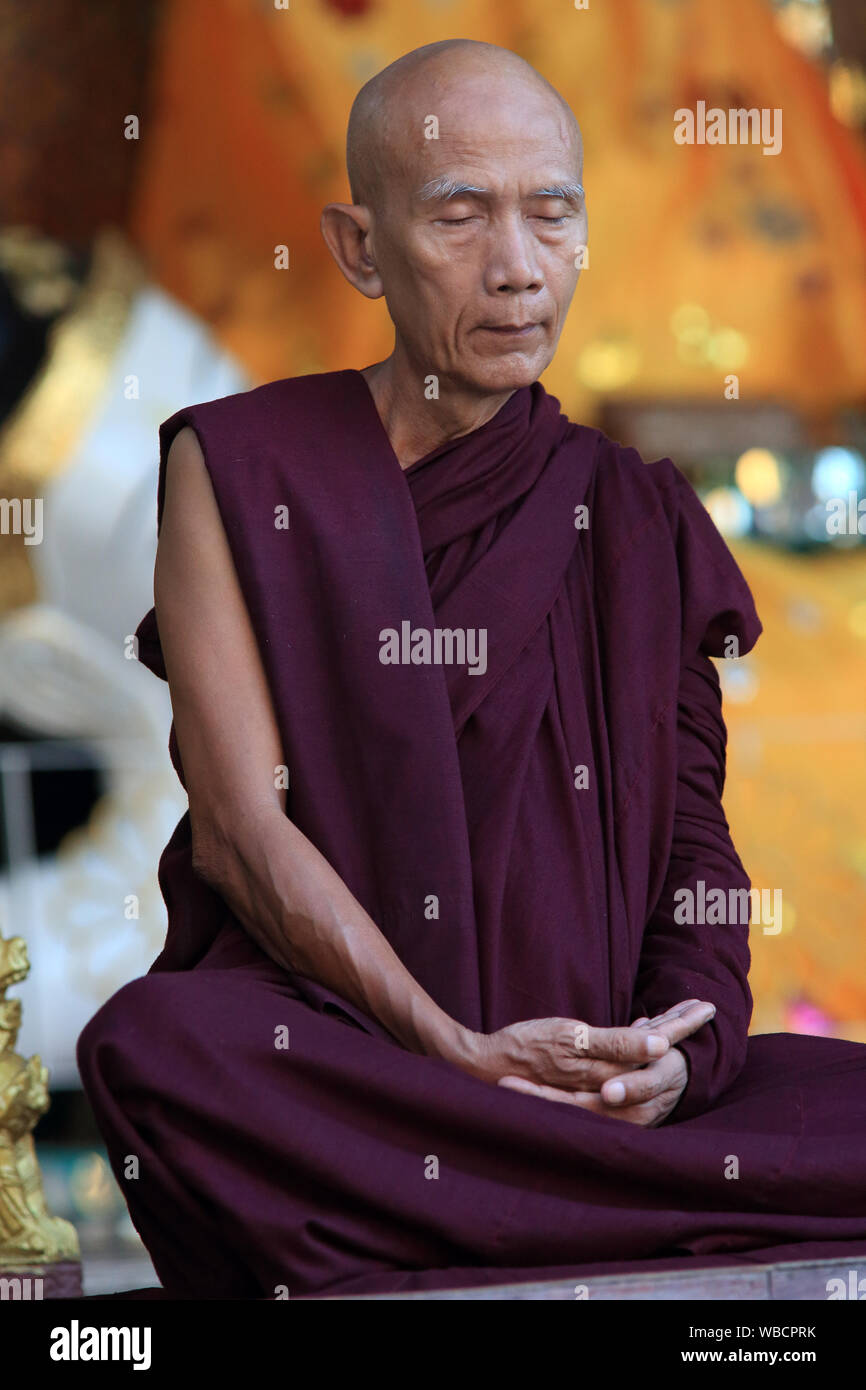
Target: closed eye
(462, 221)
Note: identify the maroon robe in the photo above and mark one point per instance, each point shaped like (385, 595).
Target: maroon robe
(511, 884)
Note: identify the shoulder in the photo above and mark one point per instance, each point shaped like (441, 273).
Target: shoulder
(648, 528)
(254, 414)
(268, 396)
(621, 467)
(628, 493)
(612, 471)
(236, 443)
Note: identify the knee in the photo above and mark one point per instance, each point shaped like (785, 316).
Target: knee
(119, 1028)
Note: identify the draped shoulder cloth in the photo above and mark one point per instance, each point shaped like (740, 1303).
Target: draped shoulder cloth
(518, 832)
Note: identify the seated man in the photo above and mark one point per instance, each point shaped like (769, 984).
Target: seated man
(455, 983)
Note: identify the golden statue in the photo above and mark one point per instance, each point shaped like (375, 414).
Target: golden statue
(30, 1238)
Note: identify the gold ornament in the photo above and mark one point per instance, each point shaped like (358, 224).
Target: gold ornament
(29, 1236)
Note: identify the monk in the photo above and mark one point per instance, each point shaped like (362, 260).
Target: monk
(455, 986)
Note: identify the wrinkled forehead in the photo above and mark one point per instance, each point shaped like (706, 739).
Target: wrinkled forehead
(499, 133)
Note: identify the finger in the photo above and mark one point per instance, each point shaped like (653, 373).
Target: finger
(678, 1023)
(681, 1021)
(648, 1114)
(585, 1100)
(623, 1045)
(675, 1011)
(569, 1067)
(534, 1088)
(653, 1022)
(593, 1075)
(692, 1017)
(636, 1088)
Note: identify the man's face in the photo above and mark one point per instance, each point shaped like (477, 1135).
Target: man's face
(478, 284)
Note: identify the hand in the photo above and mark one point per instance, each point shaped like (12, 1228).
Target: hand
(644, 1096)
(571, 1058)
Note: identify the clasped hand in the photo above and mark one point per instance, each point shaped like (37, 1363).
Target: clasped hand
(634, 1073)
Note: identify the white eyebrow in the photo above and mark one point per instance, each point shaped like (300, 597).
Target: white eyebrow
(570, 192)
(445, 187)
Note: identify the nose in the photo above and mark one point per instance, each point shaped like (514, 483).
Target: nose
(513, 266)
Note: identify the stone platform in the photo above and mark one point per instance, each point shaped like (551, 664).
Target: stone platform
(798, 1280)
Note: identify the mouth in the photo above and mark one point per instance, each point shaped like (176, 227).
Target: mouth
(511, 330)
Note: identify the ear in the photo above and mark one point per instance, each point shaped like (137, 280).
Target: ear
(346, 229)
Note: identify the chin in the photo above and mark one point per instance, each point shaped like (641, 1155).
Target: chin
(508, 372)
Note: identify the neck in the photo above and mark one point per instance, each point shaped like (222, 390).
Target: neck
(416, 426)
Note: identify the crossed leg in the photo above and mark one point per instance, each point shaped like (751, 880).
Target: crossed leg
(341, 1162)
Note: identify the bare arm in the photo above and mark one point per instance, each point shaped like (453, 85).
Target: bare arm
(289, 898)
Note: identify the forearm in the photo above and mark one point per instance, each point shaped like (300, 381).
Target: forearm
(301, 913)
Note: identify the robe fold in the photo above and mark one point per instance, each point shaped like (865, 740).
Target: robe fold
(523, 825)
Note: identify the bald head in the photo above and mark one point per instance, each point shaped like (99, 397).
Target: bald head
(385, 136)
(468, 216)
